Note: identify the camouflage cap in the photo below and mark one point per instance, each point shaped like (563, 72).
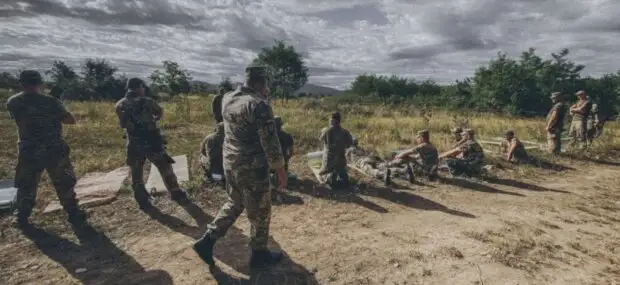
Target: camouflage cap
(457, 130)
(468, 132)
(423, 133)
(555, 95)
(256, 72)
(30, 77)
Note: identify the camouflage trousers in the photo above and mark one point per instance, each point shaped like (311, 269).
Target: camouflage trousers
(554, 142)
(30, 166)
(378, 170)
(460, 167)
(578, 133)
(137, 154)
(209, 168)
(419, 169)
(248, 189)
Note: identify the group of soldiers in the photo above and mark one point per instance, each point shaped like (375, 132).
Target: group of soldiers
(248, 149)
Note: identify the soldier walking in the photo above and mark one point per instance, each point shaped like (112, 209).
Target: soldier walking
(138, 115)
(251, 149)
(39, 120)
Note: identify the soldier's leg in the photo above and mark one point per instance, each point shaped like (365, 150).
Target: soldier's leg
(135, 159)
(583, 134)
(63, 177)
(573, 133)
(552, 143)
(456, 167)
(205, 165)
(27, 176)
(225, 218)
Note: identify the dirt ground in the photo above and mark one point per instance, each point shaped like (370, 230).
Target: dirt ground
(556, 228)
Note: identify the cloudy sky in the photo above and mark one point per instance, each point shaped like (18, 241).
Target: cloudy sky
(440, 39)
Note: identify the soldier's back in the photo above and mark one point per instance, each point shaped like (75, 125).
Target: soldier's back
(38, 117)
(242, 146)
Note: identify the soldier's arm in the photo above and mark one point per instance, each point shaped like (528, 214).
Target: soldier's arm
(451, 153)
(513, 146)
(65, 116)
(552, 119)
(158, 112)
(407, 153)
(323, 135)
(203, 146)
(348, 139)
(268, 135)
(582, 108)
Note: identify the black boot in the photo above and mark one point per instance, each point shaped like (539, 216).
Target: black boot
(264, 258)
(204, 249)
(21, 218)
(388, 177)
(77, 217)
(410, 175)
(142, 197)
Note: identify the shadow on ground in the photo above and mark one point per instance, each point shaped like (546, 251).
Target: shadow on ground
(312, 188)
(475, 186)
(97, 260)
(523, 185)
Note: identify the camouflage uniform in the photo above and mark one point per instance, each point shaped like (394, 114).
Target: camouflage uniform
(41, 147)
(428, 161)
(554, 136)
(579, 125)
(286, 142)
(335, 141)
(138, 115)
(251, 148)
(216, 106)
(371, 164)
(470, 162)
(211, 152)
(519, 155)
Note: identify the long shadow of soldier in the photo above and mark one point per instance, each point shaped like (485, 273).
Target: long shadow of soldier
(227, 251)
(312, 188)
(97, 260)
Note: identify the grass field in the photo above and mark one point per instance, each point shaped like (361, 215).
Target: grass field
(382, 236)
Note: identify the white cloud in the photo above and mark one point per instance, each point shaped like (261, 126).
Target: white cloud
(444, 40)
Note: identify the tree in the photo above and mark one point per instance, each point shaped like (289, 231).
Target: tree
(9, 81)
(287, 69)
(98, 76)
(173, 78)
(226, 84)
(62, 75)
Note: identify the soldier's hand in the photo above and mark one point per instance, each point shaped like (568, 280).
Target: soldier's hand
(282, 178)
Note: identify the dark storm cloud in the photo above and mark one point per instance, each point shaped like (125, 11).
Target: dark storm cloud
(346, 16)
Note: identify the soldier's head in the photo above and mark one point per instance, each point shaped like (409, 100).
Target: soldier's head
(278, 122)
(423, 136)
(136, 85)
(509, 134)
(581, 95)
(257, 78)
(31, 80)
(468, 134)
(335, 119)
(457, 133)
(556, 97)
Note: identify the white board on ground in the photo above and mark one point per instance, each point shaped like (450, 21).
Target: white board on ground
(155, 185)
(8, 193)
(96, 188)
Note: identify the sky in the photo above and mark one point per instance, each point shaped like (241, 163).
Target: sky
(443, 40)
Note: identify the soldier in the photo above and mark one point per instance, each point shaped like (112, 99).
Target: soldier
(138, 115)
(593, 123)
(513, 148)
(211, 150)
(423, 157)
(216, 104)
(466, 159)
(251, 149)
(286, 142)
(579, 125)
(39, 120)
(555, 123)
(371, 164)
(335, 140)
(458, 139)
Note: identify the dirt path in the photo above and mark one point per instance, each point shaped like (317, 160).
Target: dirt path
(562, 229)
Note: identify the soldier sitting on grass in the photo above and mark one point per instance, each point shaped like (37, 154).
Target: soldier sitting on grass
(466, 159)
(513, 149)
(211, 154)
(422, 159)
(373, 165)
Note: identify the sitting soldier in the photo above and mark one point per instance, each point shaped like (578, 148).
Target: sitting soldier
(458, 138)
(371, 164)
(513, 149)
(211, 154)
(423, 158)
(466, 159)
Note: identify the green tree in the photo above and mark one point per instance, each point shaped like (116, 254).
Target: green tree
(174, 79)
(9, 81)
(287, 68)
(226, 84)
(62, 75)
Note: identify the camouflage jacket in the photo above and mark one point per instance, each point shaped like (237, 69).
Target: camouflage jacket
(138, 115)
(216, 108)
(429, 156)
(250, 136)
(335, 140)
(211, 145)
(472, 152)
(38, 118)
(583, 116)
(561, 108)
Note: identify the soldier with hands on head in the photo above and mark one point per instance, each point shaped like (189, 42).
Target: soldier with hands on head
(39, 119)
(251, 149)
(138, 115)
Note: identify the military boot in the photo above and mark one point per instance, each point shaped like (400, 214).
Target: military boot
(142, 197)
(204, 249)
(264, 258)
(410, 175)
(387, 179)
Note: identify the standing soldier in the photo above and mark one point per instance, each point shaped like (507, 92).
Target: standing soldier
(579, 126)
(211, 158)
(555, 123)
(335, 140)
(39, 120)
(251, 149)
(138, 115)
